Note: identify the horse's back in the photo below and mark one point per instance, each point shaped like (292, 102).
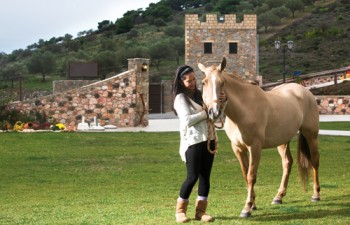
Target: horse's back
(305, 101)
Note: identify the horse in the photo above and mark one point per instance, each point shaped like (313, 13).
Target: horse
(257, 119)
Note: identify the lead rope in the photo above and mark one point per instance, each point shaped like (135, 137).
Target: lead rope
(211, 129)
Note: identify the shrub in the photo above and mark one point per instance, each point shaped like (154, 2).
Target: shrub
(174, 31)
(159, 22)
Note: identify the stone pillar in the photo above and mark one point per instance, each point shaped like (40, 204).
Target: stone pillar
(141, 68)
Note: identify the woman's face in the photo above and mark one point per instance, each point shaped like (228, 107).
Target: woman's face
(189, 81)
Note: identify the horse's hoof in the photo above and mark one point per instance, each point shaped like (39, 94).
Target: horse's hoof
(245, 214)
(315, 199)
(276, 201)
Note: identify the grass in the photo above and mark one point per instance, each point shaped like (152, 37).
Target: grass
(134, 178)
(335, 126)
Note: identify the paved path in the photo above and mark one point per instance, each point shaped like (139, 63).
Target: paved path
(168, 122)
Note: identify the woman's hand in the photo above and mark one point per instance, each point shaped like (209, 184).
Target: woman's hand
(222, 97)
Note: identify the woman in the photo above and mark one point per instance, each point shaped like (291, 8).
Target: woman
(188, 106)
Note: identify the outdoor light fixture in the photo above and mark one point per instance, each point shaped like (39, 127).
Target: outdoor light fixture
(277, 45)
(144, 67)
(285, 46)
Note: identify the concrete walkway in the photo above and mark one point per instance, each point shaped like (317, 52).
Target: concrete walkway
(169, 122)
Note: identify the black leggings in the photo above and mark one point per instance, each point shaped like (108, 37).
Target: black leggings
(198, 163)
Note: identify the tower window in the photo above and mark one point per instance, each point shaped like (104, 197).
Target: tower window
(233, 48)
(208, 48)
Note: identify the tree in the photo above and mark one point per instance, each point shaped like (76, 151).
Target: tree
(108, 44)
(268, 19)
(227, 6)
(309, 2)
(107, 62)
(3, 59)
(176, 5)
(262, 9)
(81, 33)
(67, 37)
(159, 22)
(294, 5)
(245, 6)
(104, 24)
(160, 51)
(136, 15)
(124, 24)
(159, 10)
(41, 62)
(133, 33)
(281, 12)
(209, 7)
(178, 44)
(12, 71)
(174, 31)
(274, 3)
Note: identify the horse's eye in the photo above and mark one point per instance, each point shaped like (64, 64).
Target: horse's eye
(203, 81)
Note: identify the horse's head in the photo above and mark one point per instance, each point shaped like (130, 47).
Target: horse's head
(213, 85)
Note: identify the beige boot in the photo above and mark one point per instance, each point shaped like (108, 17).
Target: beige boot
(181, 209)
(201, 207)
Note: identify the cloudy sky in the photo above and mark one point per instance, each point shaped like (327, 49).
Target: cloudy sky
(24, 22)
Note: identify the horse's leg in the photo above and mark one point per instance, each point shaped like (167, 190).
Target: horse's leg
(315, 158)
(254, 159)
(242, 156)
(287, 162)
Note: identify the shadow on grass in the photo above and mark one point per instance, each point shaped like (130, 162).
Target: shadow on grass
(307, 214)
(292, 212)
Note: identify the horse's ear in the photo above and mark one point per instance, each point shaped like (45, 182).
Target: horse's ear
(201, 67)
(222, 66)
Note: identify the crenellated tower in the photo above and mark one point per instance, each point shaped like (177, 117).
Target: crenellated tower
(221, 36)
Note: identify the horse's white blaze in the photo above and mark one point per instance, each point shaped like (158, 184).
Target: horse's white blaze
(213, 79)
(215, 97)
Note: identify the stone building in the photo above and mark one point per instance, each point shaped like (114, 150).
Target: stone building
(217, 37)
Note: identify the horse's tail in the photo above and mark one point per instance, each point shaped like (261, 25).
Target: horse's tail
(304, 157)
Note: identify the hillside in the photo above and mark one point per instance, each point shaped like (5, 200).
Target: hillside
(320, 43)
(320, 34)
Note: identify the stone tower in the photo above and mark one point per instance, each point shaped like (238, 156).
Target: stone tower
(217, 37)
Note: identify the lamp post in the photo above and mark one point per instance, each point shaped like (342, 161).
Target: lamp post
(285, 46)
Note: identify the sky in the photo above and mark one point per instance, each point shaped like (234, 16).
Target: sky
(24, 22)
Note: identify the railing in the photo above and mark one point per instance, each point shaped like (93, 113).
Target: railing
(12, 79)
(335, 73)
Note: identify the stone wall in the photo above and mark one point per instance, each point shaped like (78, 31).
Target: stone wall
(333, 104)
(220, 34)
(65, 85)
(119, 100)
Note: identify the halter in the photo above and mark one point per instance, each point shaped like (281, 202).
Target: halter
(211, 129)
(211, 124)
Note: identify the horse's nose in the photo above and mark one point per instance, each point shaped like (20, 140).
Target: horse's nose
(214, 113)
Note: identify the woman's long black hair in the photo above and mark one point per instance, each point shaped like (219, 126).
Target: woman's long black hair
(179, 88)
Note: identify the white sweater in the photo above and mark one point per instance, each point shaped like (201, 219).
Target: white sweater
(193, 124)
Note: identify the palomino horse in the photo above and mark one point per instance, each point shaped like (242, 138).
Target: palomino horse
(257, 120)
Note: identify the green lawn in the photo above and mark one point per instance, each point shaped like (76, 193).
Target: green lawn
(134, 178)
(335, 125)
